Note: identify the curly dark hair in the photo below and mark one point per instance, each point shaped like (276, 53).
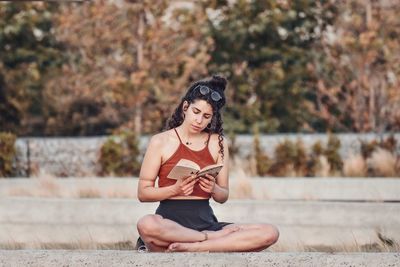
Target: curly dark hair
(216, 83)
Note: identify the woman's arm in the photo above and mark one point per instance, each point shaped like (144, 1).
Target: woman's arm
(220, 192)
(151, 164)
(148, 174)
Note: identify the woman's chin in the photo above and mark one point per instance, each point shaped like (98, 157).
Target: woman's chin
(195, 129)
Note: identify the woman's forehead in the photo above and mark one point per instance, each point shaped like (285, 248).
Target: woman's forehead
(203, 105)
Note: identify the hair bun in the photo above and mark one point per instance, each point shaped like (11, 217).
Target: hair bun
(219, 82)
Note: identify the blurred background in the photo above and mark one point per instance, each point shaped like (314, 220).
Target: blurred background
(100, 68)
(313, 91)
(84, 69)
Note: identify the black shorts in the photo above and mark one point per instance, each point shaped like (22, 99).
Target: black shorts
(194, 214)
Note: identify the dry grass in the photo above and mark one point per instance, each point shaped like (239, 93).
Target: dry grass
(116, 192)
(48, 186)
(121, 193)
(323, 167)
(89, 193)
(240, 187)
(79, 245)
(130, 245)
(51, 187)
(383, 244)
(355, 166)
(20, 192)
(44, 186)
(382, 163)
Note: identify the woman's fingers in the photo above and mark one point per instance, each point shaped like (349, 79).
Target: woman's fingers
(188, 189)
(203, 188)
(189, 179)
(208, 181)
(210, 177)
(206, 185)
(187, 185)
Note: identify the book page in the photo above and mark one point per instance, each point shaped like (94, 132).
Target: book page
(183, 169)
(212, 170)
(188, 163)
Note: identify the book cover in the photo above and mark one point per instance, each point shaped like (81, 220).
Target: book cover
(185, 168)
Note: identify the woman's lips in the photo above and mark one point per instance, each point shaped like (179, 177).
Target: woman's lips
(196, 128)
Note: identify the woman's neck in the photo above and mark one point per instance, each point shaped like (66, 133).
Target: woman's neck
(188, 137)
(185, 132)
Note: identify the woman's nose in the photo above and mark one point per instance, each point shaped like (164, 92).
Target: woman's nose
(199, 119)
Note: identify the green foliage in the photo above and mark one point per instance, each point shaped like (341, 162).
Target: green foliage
(119, 155)
(7, 153)
(287, 70)
(355, 67)
(132, 79)
(289, 157)
(263, 162)
(317, 150)
(332, 153)
(233, 147)
(82, 116)
(367, 148)
(264, 48)
(29, 51)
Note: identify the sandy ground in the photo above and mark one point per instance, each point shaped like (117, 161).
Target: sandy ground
(109, 258)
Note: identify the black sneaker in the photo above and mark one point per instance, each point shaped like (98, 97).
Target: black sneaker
(140, 246)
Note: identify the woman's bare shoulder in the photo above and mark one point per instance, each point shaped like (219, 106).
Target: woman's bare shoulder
(162, 138)
(214, 139)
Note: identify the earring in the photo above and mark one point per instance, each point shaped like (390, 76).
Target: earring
(209, 126)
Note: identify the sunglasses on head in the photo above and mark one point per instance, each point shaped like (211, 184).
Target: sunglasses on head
(205, 90)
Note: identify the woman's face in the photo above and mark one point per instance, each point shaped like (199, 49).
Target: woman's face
(197, 115)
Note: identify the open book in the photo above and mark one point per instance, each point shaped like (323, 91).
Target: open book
(185, 168)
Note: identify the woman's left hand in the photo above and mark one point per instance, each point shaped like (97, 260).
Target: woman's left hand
(207, 183)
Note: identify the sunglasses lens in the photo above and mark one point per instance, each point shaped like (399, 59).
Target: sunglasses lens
(204, 90)
(215, 96)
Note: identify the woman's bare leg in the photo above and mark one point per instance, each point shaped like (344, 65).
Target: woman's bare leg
(158, 233)
(253, 237)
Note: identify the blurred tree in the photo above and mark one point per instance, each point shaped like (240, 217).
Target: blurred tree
(28, 52)
(358, 66)
(7, 154)
(119, 155)
(264, 47)
(128, 62)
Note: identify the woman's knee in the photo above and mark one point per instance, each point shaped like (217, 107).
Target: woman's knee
(271, 234)
(149, 224)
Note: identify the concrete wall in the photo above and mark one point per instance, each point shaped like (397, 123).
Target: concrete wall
(32, 222)
(79, 156)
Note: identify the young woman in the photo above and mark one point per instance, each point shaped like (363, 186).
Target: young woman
(184, 220)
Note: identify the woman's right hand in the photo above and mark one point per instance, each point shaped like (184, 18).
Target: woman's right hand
(184, 187)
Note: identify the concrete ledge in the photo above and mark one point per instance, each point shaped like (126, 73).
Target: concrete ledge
(108, 258)
(241, 187)
(29, 222)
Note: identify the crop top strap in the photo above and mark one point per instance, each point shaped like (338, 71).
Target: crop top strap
(178, 135)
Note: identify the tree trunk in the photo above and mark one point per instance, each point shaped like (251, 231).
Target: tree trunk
(139, 57)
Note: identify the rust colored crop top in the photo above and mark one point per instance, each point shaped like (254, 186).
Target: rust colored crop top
(201, 157)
